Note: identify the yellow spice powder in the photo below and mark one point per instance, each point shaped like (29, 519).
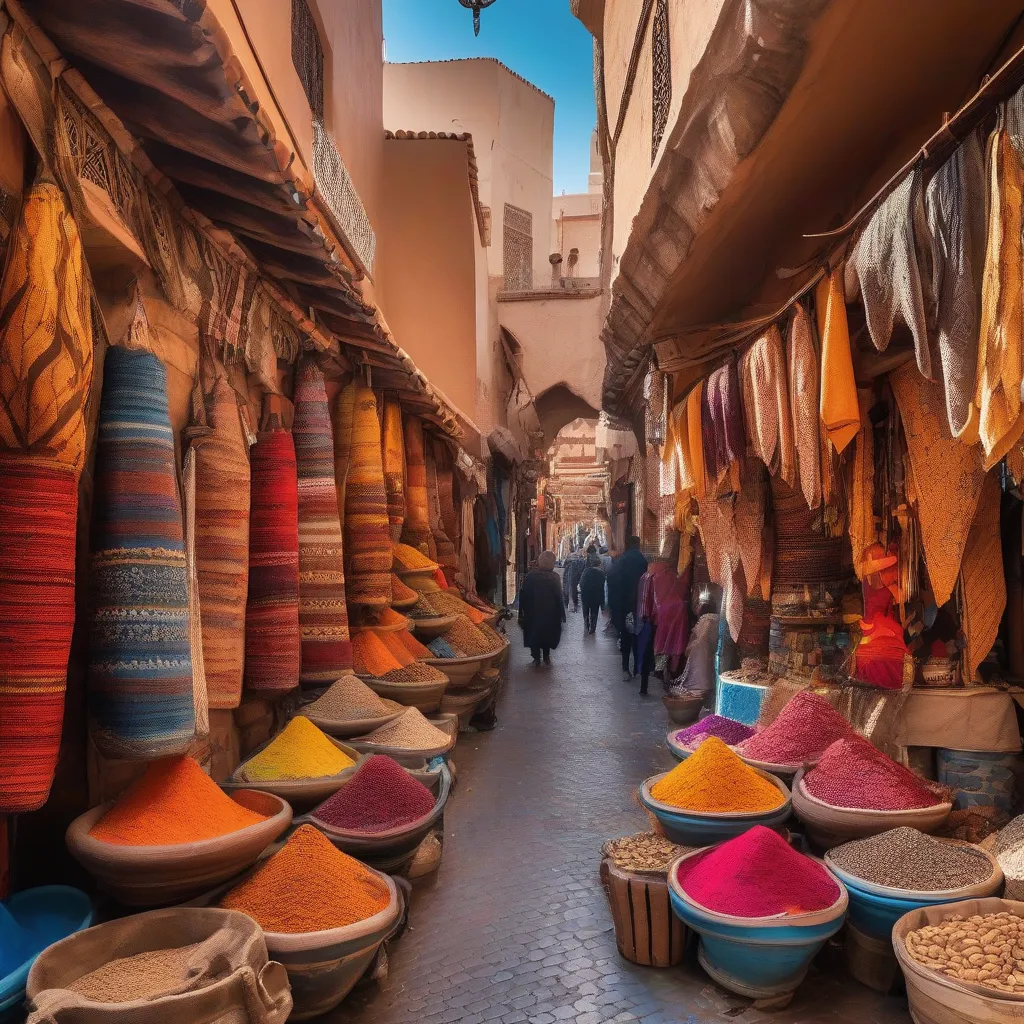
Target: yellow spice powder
(299, 751)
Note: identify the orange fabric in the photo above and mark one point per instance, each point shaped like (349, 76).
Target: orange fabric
(695, 438)
(840, 415)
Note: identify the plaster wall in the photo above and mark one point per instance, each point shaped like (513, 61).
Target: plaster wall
(576, 222)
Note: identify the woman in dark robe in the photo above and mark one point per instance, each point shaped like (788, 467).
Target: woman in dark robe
(541, 611)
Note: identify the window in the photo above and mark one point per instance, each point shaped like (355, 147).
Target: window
(518, 249)
(661, 75)
(308, 56)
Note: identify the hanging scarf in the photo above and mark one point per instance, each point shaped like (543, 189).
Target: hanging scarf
(723, 439)
(803, 399)
(862, 488)
(840, 416)
(695, 439)
(749, 518)
(769, 419)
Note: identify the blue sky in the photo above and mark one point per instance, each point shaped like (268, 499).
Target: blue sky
(538, 39)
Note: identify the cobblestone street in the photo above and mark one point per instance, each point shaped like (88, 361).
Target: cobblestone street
(515, 927)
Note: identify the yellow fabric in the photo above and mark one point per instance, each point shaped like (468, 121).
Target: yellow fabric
(46, 359)
(997, 392)
(839, 412)
(695, 438)
(862, 489)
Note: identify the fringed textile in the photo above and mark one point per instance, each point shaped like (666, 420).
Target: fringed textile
(863, 532)
(416, 530)
(195, 628)
(140, 660)
(38, 513)
(749, 518)
(804, 381)
(222, 543)
(840, 417)
(272, 645)
(393, 455)
(769, 419)
(323, 612)
(724, 440)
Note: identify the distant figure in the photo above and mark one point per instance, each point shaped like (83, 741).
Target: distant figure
(623, 581)
(541, 610)
(573, 570)
(592, 593)
(606, 560)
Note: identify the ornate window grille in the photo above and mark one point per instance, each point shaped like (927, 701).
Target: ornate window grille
(518, 249)
(308, 56)
(661, 75)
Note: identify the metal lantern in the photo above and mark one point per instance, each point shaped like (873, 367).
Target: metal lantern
(476, 6)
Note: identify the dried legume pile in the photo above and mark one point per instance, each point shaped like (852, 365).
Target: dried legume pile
(381, 795)
(440, 648)
(987, 949)
(407, 557)
(351, 699)
(449, 603)
(645, 851)
(726, 729)
(370, 655)
(492, 634)
(464, 637)
(400, 593)
(908, 859)
(174, 802)
(410, 731)
(853, 773)
(417, 672)
(142, 976)
(299, 751)
(757, 874)
(714, 780)
(309, 886)
(422, 609)
(806, 727)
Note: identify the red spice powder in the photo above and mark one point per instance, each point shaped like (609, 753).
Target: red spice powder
(380, 796)
(853, 773)
(804, 729)
(757, 874)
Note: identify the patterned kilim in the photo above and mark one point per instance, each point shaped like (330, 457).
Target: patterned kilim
(272, 610)
(749, 517)
(416, 530)
(222, 544)
(323, 613)
(38, 507)
(840, 417)
(367, 537)
(46, 351)
(140, 661)
(195, 619)
(948, 477)
(724, 440)
(344, 412)
(863, 530)
(804, 381)
(446, 493)
(982, 587)
(766, 405)
(446, 553)
(393, 455)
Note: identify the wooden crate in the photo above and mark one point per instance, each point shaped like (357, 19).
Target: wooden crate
(646, 930)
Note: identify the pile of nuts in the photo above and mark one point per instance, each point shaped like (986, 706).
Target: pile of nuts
(987, 949)
(645, 851)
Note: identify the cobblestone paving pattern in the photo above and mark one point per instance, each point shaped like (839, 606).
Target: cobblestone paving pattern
(515, 927)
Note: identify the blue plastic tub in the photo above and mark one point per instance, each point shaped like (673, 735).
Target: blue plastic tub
(756, 957)
(42, 917)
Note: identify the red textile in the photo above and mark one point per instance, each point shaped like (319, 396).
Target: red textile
(671, 598)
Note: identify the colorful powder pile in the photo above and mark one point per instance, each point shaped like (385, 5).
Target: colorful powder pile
(422, 609)
(757, 874)
(370, 655)
(408, 559)
(417, 672)
(410, 731)
(174, 802)
(412, 645)
(390, 619)
(379, 797)
(714, 780)
(804, 729)
(309, 886)
(728, 730)
(147, 975)
(853, 773)
(299, 751)
(397, 649)
(350, 699)
(401, 595)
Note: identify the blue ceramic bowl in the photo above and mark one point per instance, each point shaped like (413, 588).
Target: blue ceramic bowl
(756, 957)
(692, 828)
(44, 915)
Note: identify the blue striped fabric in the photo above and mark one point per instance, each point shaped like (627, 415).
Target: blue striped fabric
(140, 662)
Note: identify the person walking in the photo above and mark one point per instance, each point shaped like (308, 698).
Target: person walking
(575, 570)
(623, 582)
(541, 610)
(592, 593)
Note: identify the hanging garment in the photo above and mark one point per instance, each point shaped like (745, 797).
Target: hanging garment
(195, 628)
(272, 644)
(698, 675)
(393, 456)
(769, 420)
(997, 393)
(323, 613)
(446, 553)
(717, 525)
(840, 416)
(749, 519)
(674, 466)
(955, 209)
(671, 615)
(724, 441)
(948, 476)
(804, 381)
(446, 494)
(416, 529)
(885, 262)
(863, 533)
(140, 662)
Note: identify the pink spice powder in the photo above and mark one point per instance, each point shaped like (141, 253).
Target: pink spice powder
(757, 874)
(804, 728)
(853, 773)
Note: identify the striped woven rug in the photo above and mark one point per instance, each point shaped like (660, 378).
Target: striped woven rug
(416, 530)
(323, 613)
(272, 610)
(140, 665)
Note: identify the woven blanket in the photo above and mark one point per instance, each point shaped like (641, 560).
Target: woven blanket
(416, 529)
(222, 543)
(140, 663)
(840, 417)
(769, 419)
(272, 610)
(804, 382)
(393, 456)
(323, 613)
(446, 553)
(195, 618)
(38, 509)
(724, 440)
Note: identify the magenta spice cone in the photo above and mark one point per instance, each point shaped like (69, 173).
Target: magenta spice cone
(380, 796)
(726, 729)
(804, 729)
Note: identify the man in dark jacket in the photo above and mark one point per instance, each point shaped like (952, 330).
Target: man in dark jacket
(623, 581)
(541, 611)
(592, 593)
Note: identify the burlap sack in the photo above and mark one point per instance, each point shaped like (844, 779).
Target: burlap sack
(228, 979)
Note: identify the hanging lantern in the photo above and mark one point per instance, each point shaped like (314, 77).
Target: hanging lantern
(476, 6)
